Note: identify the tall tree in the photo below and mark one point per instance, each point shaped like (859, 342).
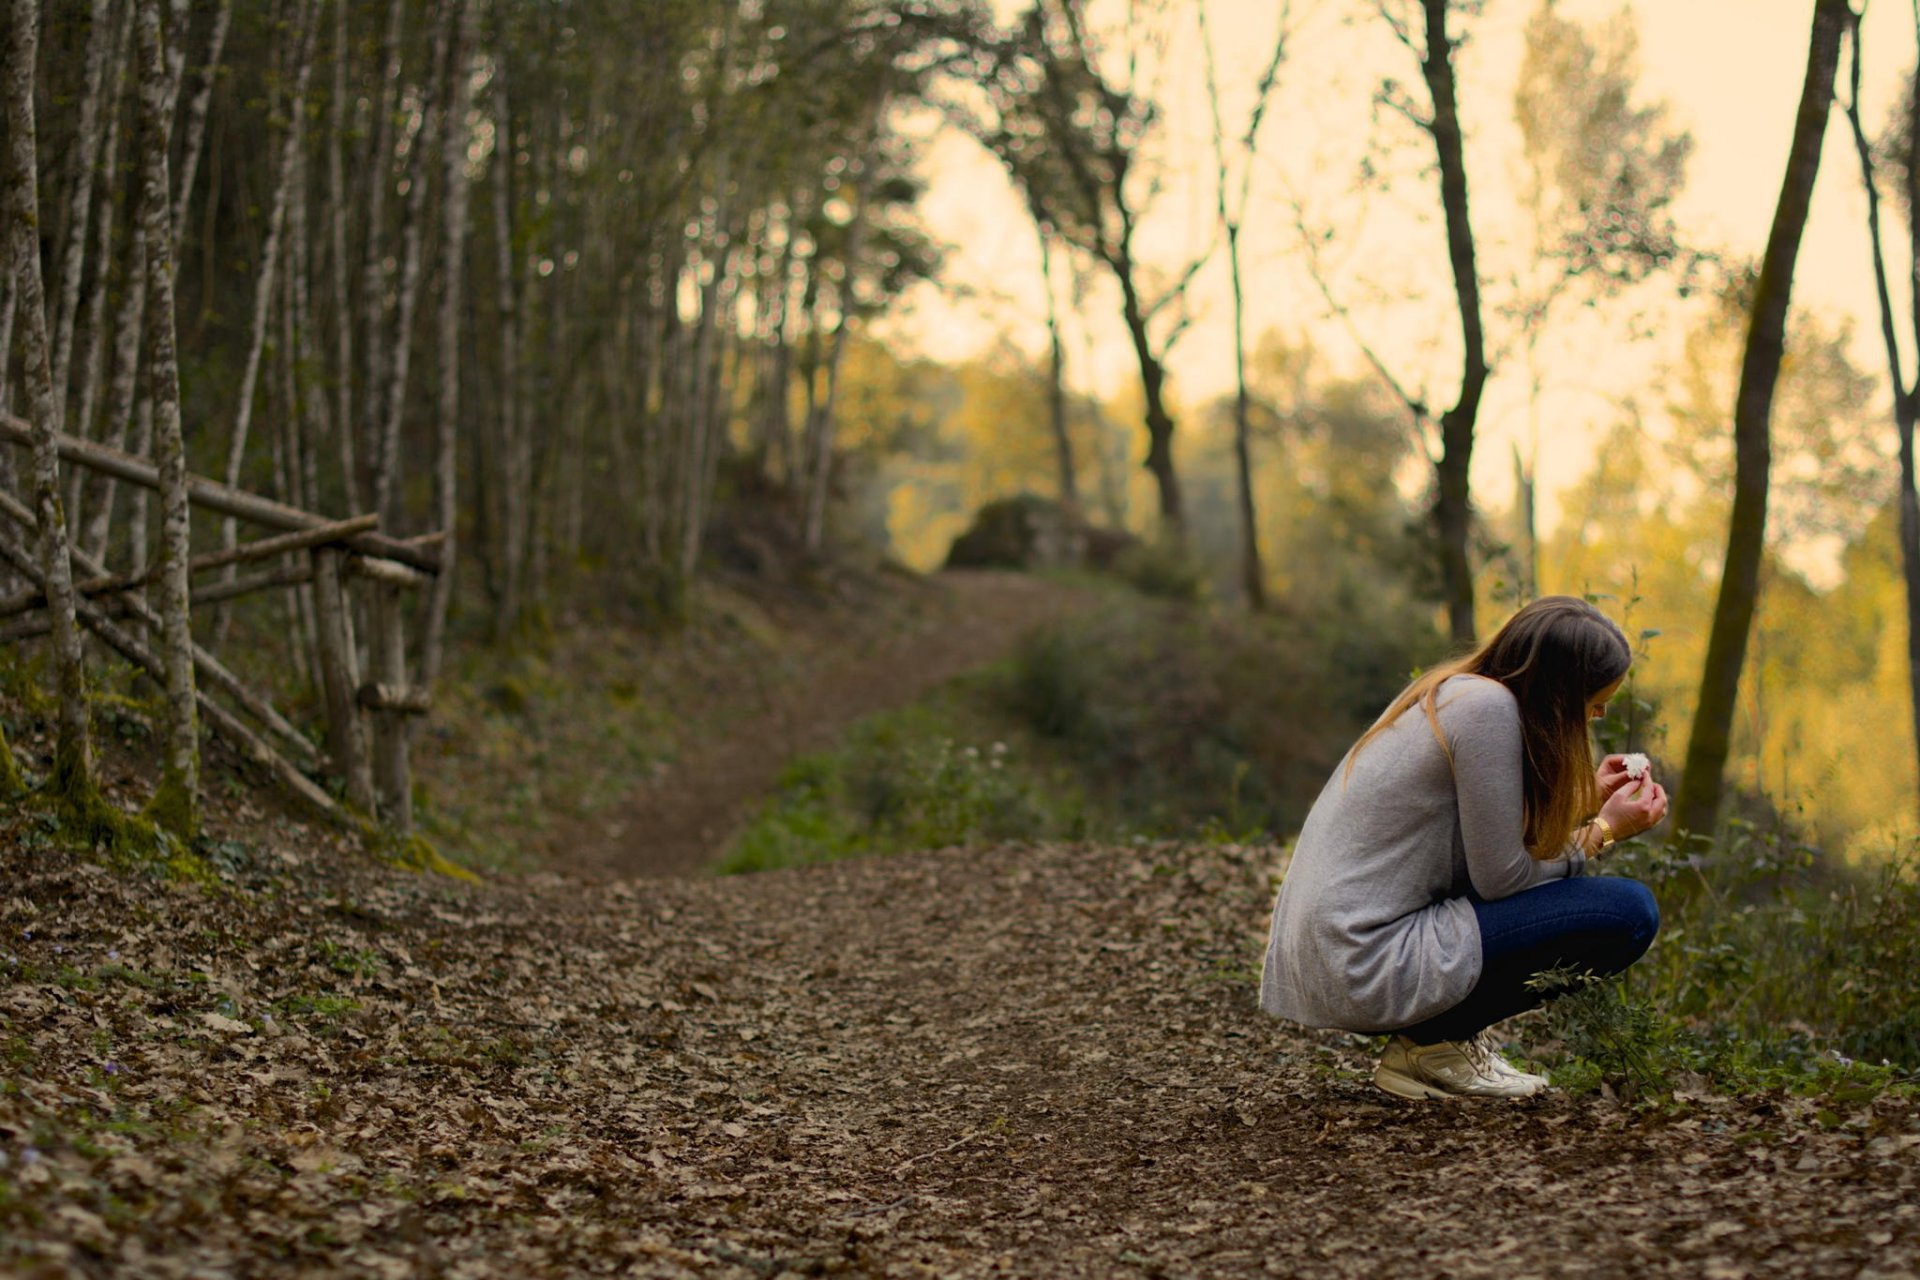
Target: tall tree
(1453, 504)
(176, 804)
(1072, 138)
(73, 753)
(1230, 209)
(1906, 394)
(1707, 746)
(453, 249)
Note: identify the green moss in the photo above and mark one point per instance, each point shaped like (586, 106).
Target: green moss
(418, 853)
(174, 807)
(11, 785)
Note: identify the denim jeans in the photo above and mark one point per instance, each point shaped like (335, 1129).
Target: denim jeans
(1599, 924)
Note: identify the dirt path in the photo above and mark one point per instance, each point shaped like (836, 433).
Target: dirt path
(679, 821)
(1037, 1062)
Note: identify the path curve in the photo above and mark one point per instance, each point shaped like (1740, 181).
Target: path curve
(679, 821)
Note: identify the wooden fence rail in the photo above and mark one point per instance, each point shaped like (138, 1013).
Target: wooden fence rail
(376, 779)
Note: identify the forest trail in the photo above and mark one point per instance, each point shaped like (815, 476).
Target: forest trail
(678, 821)
(1020, 1061)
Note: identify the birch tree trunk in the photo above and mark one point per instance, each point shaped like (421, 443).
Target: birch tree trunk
(339, 200)
(72, 779)
(93, 361)
(291, 157)
(196, 129)
(513, 468)
(453, 248)
(373, 289)
(385, 447)
(86, 155)
(1708, 745)
(176, 804)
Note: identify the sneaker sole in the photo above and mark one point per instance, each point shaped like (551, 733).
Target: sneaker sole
(1401, 1086)
(1407, 1087)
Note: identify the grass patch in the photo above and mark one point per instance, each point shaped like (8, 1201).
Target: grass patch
(925, 777)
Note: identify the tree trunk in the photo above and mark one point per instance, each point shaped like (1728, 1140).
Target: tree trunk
(1057, 384)
(1709, 743)
(384, 447)
(513, 467)
(1454, 510)
(1153, 385)
(1253, 573)
(129, 327)
(338, 201)
(373, 289)
(1906, 396)
(86, 154)
(176, 804)
(453, 249)
(73, 753)
(292, 156)
(93, 363)
(196, 129)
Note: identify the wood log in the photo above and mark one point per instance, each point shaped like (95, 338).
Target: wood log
(386, 572)
(346, 736)
(210, 667)
(225, 723)
(411, 700)
(213, 593)
(109, 584)
(392, 781)
(215, 496)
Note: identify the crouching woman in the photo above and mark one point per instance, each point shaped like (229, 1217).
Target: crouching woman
(1442, 866)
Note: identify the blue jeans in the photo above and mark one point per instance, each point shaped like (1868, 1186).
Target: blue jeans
(1599, 924)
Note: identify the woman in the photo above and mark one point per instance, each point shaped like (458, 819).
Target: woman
(1441, 867)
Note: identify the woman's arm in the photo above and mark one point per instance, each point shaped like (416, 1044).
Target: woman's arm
(1482, 723)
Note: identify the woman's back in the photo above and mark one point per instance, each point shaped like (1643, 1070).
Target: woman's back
(1373, 929)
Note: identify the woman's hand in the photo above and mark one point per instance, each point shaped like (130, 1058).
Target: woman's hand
(1631, 809)
(1612, 776)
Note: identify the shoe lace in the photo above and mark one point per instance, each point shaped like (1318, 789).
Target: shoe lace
(1480, 1051)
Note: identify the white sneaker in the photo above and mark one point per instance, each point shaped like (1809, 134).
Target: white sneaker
(1451, 1069)
(1491, 1047)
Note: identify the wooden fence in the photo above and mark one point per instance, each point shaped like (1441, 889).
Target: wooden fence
(367, 711)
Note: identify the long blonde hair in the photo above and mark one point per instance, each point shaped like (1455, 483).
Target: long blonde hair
(1554, 656)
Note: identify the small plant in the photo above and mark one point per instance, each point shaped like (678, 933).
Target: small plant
(1163, 569)
(1609, 1034)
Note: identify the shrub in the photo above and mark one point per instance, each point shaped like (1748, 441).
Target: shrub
(901, 782)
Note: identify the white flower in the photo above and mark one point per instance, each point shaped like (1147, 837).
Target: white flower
(1636, 765)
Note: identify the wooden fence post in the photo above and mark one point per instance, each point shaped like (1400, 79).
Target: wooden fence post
(340, 680)
(393, 784)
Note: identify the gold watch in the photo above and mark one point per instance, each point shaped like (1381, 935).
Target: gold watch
(1607, 838)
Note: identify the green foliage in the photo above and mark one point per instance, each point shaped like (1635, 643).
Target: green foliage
(901, 782)
(1772, 969)
(1177, 715)
(1164, 569)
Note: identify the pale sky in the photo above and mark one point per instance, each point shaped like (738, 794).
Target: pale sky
(1730, 70)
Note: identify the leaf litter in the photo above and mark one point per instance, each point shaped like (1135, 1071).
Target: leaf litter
(1023, 1060)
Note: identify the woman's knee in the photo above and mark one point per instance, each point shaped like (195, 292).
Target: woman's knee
(1638, 913)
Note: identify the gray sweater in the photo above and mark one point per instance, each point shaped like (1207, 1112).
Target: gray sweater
(1373, 930)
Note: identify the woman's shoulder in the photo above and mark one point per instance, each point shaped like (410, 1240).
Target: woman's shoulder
(1475, 697)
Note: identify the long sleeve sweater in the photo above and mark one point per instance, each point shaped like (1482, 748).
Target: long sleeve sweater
(1373, 929)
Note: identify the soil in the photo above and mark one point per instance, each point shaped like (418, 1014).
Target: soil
(1025, 1061)
(1040, 1061)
